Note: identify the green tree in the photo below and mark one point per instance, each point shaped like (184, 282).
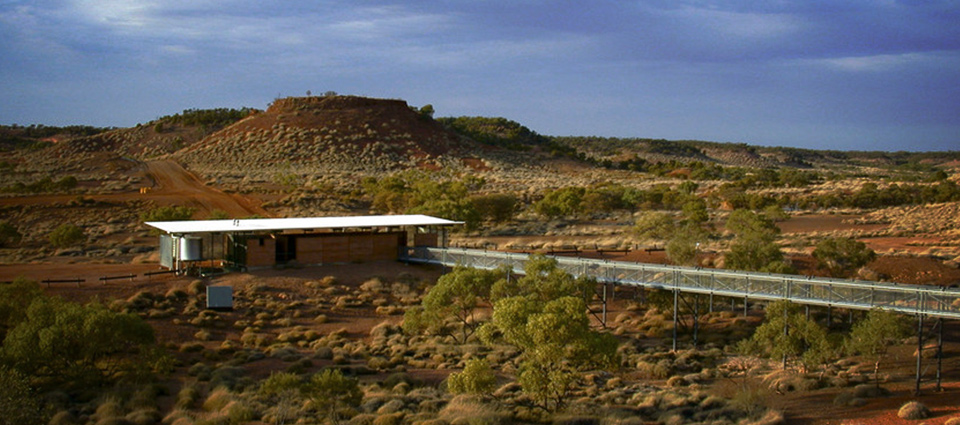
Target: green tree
(418, 192)
(564, 202)
(495, 207)
(543, 280)
(688, 187)
(67, 343)
(842, 255)
(544, 314)
(333, 394)
(654, 225)
(14, 300)
(19, 402)
(66, 235)
(455, 297)
(427, 111)
(695, 212)
(786, 333)
(477, 378)
(682, 247)
(872, 336)
(743, 221)
(775, 213)
(755, 247)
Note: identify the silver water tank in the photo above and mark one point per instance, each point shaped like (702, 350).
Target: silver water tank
(191, 248)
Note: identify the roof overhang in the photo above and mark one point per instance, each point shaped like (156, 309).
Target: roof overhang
(255, 225)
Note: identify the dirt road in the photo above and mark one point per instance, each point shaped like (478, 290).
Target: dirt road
(175, 185)
(172, 185)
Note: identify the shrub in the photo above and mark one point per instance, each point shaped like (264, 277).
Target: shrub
(474, 410)
(188, 396)
(144, 417)
(476, 378)
(9, 235)
(332, 393)
(842, 255)
(63, 417)
(913, 410)
(172, 213)
(389, 419)
(217, 399)
(109, 409)
(66, 235)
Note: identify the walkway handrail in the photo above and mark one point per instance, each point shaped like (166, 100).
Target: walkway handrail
(928, 300)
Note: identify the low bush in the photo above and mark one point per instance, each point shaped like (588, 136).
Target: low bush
(913, 410)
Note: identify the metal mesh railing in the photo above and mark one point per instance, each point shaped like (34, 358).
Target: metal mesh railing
(863, 295)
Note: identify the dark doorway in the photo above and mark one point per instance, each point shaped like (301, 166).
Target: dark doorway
(286, 249)
(237, 250)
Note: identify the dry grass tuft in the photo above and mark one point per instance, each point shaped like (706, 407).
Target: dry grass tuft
(466, 409)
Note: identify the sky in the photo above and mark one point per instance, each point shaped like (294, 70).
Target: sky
(817, 74)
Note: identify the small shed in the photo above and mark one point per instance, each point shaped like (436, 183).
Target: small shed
(220, 297)
(266, 242)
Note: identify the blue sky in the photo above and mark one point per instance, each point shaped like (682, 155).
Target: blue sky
(845, 74)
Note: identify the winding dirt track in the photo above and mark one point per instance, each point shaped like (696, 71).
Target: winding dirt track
(172, 185)
(175, 185)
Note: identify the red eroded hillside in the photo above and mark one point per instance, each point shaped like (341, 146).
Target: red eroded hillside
(345, 132)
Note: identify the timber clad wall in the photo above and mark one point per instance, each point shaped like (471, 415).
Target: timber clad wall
(261, 252)
(426, 239)
(329, 248)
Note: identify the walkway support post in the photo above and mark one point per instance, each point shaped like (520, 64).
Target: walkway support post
(696, 318)
(919, 351)
(939, 352)
(786, 332)
(676, 313)
(604, 305)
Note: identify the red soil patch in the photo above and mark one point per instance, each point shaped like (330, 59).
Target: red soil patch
(825, 223)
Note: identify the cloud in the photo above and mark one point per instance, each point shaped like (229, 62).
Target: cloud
(714, 69)
(742, 26)
(875, 63)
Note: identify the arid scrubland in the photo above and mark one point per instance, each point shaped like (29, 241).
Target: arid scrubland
(307, 344)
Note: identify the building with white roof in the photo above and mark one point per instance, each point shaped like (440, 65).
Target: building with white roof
(265, 242)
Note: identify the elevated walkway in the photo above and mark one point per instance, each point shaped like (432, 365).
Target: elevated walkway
(924, 300)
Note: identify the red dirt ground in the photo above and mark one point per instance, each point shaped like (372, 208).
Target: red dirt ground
(172, 185)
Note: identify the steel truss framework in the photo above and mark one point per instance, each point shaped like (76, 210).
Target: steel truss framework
(924, 300)
(919, 300)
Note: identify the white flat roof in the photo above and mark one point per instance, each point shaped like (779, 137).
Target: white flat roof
(305, 223)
